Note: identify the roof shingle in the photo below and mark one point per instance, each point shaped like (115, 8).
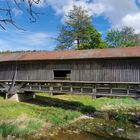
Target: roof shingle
(73, 54)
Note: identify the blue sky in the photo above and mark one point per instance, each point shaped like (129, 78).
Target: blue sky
(106, 14)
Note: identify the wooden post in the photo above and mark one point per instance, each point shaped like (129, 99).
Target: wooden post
(81, 88)
(30, 87)
(61, 89)
(39, 87)
(95, 89)
(93, 96)
(6, 96)
(71, 88)
(127, 89)
(51, 89)
(110, 88)
(94, 92)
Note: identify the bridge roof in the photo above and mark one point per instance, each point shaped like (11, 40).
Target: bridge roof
(73, 54)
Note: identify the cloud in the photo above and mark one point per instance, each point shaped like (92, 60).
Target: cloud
(132, 20)
(63, 7)
(26, 41)
(115, 11)
(42, 3)
(4, 45)
(39, 38)
(17, 12)
(35, 40)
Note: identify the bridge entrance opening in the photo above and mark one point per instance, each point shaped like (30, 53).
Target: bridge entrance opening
(62, 74)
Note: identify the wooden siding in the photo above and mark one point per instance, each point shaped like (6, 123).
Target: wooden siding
(111, 70)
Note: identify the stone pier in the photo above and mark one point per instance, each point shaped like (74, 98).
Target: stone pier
(22, 96)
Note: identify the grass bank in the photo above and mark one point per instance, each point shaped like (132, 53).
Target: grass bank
(20, 119)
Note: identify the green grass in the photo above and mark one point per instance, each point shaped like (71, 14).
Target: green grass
(17, 118)
(20, 118)
(101, 104)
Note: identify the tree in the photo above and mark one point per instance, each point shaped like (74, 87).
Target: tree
(130, 38)
(6, 15)
(122, 38)
(114, 38)
(78, 32)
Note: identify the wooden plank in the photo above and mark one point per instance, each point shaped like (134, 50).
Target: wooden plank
(95, 71)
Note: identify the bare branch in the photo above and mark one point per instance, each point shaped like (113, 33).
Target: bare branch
(2, 27)
(6, 20)
(19, 28)
(7, 11)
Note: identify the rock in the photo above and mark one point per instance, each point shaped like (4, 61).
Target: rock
(135, 120)
(120, 129)
(138, 122)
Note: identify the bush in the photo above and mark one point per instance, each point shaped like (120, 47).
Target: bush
(121, 117)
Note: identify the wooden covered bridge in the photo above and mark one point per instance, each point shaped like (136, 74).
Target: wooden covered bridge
(98, 72)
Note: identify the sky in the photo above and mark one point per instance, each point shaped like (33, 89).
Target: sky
(107, 14)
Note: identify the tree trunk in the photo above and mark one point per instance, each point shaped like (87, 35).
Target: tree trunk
(78, 44)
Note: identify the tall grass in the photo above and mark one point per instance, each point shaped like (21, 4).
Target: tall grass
(23, 118)
(20, 119)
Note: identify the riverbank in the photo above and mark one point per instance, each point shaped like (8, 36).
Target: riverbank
(87, 128)
(24, 118)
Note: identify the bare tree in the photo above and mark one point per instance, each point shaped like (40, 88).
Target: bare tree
(6, 14)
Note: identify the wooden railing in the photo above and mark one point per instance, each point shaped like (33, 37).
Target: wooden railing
(121, 89)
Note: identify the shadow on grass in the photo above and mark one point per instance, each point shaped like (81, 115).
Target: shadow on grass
(2, 95)
(54, 102)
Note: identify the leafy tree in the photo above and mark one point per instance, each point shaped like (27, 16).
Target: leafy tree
(130, 38)
(122, 38)
(78, 32)
(114, 38)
